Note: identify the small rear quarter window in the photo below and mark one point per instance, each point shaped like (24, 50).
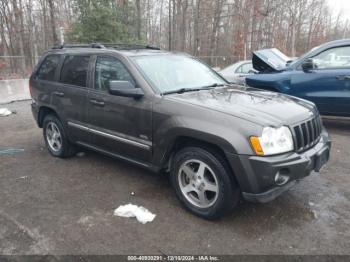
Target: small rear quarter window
(48, 68)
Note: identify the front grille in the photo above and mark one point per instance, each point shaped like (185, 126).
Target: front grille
(307, 134)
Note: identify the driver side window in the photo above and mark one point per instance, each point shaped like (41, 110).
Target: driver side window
(338, 57)
(108, 69)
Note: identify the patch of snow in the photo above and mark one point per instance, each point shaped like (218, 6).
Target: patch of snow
(130, 210)
(5, 112)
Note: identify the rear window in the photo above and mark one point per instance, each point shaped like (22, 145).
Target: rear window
(48, 68)
(74, 70)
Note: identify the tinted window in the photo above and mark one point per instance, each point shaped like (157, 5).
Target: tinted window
(333, 58)
(48, 68)
(74, 70)
(107, 69)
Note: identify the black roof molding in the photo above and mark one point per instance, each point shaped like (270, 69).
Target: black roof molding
(116, 46)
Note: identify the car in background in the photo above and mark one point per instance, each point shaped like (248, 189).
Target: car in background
(237, 72)
(322, 76)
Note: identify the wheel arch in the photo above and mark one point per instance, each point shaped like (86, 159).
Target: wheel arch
(183, 141)
(44, 111)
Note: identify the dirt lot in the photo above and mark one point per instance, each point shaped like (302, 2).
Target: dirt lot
(56, 206)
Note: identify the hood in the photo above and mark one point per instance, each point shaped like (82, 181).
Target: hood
(255, 105)
(270, 60)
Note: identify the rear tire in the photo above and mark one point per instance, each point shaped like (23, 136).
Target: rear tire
(55, 138)
(204, 183)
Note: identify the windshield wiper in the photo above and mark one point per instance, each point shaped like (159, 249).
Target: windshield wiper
(180, 91)
(214, 85)
(183, 90)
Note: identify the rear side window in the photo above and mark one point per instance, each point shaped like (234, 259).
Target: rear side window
(74, 70)
(48, 68)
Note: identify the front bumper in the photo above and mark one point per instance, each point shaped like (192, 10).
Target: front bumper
(256, 175)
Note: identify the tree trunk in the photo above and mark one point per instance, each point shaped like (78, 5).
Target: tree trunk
(183, 25)
(19, 35)
(138, 18)
(216, 22)
(196, 28)
(170, 26)
(53, 22)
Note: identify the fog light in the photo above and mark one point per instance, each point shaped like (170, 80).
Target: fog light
(280, 180)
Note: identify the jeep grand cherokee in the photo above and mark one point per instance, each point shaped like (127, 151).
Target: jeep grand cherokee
(169, 112)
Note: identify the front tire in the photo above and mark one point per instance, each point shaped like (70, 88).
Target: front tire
(203, 182)
(55, 138)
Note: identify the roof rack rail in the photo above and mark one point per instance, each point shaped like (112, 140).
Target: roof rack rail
(117, 46)
(121, 46)
(92, 45)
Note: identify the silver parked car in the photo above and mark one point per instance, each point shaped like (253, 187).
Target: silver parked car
(237, 72)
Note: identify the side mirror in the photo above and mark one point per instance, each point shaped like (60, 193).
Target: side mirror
(308, 65)
(124, 88)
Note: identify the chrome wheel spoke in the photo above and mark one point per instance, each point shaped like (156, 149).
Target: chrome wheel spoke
(202, 198)
(187, 189)
(201, 170)
(208, 186)
(58, 143)
(189, 172)
(49, 133)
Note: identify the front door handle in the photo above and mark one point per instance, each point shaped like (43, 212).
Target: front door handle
(97, 103)
(343, 78)
(60, 94)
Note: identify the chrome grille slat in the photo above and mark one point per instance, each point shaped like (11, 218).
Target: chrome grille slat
(307, 134)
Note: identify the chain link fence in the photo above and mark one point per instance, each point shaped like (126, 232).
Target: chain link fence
(14, 67)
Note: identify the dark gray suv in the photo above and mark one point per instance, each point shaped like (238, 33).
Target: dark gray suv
(170, 112)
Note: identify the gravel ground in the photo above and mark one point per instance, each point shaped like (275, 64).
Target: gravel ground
(55, 206)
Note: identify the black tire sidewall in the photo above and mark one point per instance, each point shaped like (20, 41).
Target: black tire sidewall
(228, 191)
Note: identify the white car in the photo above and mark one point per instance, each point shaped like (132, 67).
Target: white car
(237, 72)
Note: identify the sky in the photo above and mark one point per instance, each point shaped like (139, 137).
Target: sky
(338, 5)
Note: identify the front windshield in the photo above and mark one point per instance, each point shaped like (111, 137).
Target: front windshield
(173, 72)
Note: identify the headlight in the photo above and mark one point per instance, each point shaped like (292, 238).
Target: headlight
(273, 141)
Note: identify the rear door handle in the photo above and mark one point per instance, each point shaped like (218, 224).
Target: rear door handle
(343, 78)
(60, 94)
(97, 103)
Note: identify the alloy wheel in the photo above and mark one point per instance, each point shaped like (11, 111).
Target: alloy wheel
(198, 183)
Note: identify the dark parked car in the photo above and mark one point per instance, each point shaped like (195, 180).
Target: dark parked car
(169, 112)
(321, 76)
